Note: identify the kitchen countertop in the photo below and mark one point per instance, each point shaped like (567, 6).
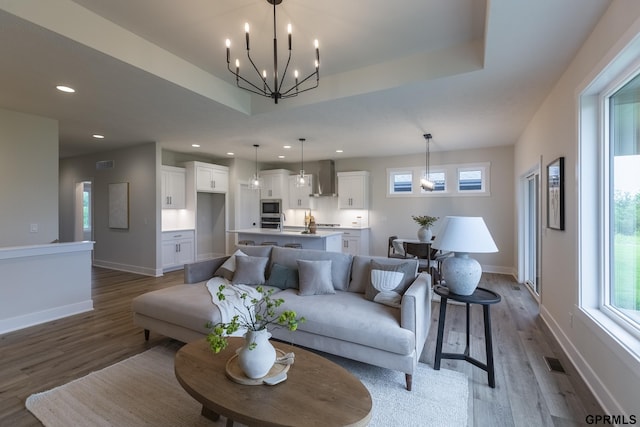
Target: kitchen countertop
(272, 232)
(320, 227)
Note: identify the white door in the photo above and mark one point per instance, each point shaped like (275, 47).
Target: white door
(531, 232)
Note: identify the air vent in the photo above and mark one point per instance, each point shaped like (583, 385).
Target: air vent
(104, 164)
(554, 365)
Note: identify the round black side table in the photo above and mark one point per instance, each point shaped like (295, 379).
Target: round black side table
(481, 296)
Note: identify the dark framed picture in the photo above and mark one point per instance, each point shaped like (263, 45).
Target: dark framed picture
(555, 194)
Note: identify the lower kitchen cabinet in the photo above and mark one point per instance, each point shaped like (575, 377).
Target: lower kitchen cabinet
(355, 242)
(178, 248)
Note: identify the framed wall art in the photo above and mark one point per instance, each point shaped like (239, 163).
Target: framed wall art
(119, 205)
(555, 194)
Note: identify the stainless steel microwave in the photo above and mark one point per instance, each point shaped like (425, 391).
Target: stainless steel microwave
(270, 207)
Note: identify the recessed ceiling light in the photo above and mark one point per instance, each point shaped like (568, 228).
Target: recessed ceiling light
(286, 146)
(339, 151)
(67, 89)
(195, 145)
(98, 136)
(281, 157)
(230, 154)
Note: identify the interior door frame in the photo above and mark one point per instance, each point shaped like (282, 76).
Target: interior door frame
(524, 244)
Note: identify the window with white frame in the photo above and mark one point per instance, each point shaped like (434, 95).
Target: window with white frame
(609, 200)
(471, 179)
(401, 181)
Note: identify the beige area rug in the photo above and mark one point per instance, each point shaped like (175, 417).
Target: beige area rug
(143, 391)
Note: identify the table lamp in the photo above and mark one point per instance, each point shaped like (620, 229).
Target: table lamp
(463, 235)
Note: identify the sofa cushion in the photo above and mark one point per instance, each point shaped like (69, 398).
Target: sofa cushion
(348, 316)
(340, 263)
(250, 270)
(188, 306)
(361, 270)
(283, 277)
(388, 282)
(315, 277)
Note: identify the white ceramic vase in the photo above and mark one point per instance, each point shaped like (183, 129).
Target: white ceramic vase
(425, 234)
(257, 361)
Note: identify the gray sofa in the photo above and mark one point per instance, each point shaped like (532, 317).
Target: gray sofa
(345, 323)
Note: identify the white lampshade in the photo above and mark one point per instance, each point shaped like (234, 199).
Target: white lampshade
(464, 234)
(461, 235)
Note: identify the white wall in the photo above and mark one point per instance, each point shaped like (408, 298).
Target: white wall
(392, 215)
(553, 132)
(134, 249)
(28, 179)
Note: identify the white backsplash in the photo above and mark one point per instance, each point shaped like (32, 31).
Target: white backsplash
(326, 212)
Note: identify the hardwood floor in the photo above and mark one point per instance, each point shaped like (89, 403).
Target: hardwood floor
(526, 394)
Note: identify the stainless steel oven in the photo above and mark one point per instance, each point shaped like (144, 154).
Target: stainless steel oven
(270, 207)
(270, 221)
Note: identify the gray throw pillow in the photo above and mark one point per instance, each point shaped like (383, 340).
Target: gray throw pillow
(283, 277)
(315, 277)
(388, 282)
(250, 270)
(227, 269)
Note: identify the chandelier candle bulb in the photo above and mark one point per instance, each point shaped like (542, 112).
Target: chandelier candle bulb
(228, 43)
(246, 33)
(289, 31)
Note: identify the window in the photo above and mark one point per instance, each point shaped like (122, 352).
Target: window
(438, 178)
(622, 194)
(470, 179)
(454, 180)
(401, 182)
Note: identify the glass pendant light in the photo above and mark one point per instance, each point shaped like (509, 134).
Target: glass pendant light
(425, 183)
(255, 183)
(300, 178)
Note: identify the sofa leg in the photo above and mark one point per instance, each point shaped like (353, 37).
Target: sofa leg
(408, 378)
(146, 335)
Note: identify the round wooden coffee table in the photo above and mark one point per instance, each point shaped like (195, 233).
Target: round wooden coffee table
(316, 392)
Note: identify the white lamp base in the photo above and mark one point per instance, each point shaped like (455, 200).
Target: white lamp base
(461, 273)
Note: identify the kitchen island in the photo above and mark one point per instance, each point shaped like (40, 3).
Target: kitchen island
(325, 240)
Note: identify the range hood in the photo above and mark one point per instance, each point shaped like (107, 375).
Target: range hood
(324, 182)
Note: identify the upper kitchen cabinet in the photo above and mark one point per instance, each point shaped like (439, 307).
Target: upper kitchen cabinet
(300, 197)
(173, 187)
(353, 190)
(275, 185)
(211, 178)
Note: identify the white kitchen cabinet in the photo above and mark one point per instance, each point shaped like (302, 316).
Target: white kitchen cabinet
(353, 190)
(178, 249)
(355, 242)
(299, 197)
(211, 178)
(275, 185)
(173, 187)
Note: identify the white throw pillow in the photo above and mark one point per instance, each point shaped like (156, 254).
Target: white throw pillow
(227, 269)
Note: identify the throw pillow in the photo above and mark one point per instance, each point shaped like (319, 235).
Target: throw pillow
(388, 282)
(283, 277)
(227, 269)
(315, 277)
(250, 270)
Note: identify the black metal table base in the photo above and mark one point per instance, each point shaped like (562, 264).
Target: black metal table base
(481, 296)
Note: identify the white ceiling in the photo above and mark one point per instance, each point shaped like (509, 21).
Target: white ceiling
(470, 72)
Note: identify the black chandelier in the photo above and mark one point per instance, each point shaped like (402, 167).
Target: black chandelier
(276, 92)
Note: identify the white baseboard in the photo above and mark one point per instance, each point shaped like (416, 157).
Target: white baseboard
(31, 319)
(146, 271)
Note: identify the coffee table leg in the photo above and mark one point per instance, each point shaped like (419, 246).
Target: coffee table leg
(209, 414)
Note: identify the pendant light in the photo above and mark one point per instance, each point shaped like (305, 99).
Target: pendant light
(255, 183)
(300, 179)
(425, 183)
